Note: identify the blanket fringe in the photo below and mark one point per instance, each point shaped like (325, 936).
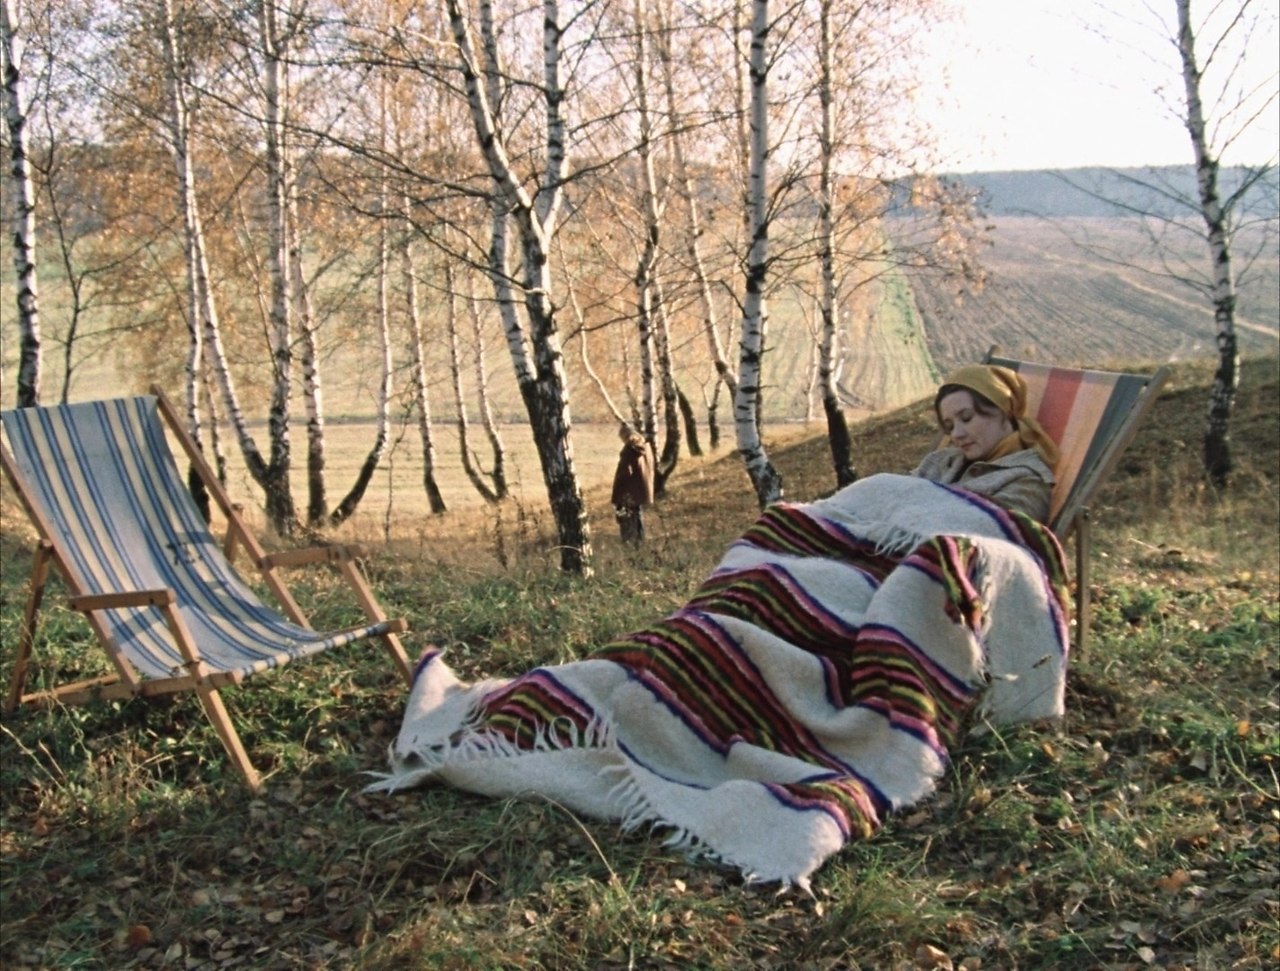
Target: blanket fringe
(646, 747)
(476, 744)
(634, 811)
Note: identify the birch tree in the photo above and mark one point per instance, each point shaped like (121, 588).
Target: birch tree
(537, 356)
(480, 370)
(766, 480)
(678, 134)
(23, 202)
(418, 371)
(1215, 213)
(1220, 94)
(655, 341)
(274, 478)
(863, 84)
(470, 466)
(364, 475)
(198, 291)
(838, 437)
(206, 362)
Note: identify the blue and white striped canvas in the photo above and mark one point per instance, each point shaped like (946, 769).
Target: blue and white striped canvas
(103, 479)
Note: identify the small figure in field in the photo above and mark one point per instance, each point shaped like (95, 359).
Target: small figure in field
(632, 485)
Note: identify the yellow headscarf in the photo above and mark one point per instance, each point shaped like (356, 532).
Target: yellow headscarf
(1007, 390)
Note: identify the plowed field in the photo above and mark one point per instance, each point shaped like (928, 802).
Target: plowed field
(1067, 293)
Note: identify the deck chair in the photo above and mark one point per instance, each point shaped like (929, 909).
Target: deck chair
(115, 518)
(1093, 416)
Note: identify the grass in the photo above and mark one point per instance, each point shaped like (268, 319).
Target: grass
(1146, 833)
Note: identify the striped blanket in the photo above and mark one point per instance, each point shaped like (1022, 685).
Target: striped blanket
(813, 684)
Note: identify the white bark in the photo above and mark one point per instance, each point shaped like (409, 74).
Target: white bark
(179, 146)
(1217, 438)
(469, 464)
(496, 446)
(829, 303)
(544, 386)
(765, 479)
(23, 202)
(646, 265)
(275, 89)
(312, 383)
(689, 195)
(421, 391)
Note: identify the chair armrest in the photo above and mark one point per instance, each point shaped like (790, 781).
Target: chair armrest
(162, 597)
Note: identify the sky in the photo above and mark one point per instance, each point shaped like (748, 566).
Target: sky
(1036, 84)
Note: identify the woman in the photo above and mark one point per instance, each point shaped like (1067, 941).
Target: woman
(992, 448)
(817, 679)
(632, 485)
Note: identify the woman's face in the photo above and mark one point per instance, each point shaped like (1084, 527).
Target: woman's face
(976, 433)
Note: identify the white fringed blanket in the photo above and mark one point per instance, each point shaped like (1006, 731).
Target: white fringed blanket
(813, 684)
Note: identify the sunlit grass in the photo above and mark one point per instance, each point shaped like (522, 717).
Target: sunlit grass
(1143, 832)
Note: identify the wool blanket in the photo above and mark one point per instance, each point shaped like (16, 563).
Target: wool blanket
(814, 683)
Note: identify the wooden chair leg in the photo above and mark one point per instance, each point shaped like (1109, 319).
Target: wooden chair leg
(210, 699)
(375, 613)
(26, 639)
(216, 712)
(1084, 606)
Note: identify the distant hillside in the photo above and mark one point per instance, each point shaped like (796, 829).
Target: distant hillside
(1059, 289)
(1085, 192)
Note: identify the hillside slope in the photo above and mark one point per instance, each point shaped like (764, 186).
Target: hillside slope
(1159, 471)
(1076, 292)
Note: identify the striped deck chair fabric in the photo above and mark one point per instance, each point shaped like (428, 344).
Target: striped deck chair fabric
(101, 485)
(1092, 415)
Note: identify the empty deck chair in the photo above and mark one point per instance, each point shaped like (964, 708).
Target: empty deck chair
(115, 518)
(1093, 416)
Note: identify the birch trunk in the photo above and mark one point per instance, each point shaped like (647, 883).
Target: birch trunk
(208, 395)
(653, 307)
(584, 357)
(713, 415)
(646, 265)
(24, 210)
(1226, 379)
(838, 438)
(693, 216)
(382, 433)
(690, 423)
(542, 381)
(673, 437)
(343, 510)
(496, 448)
(275, 481)
(764, 477)
(469, 466)
(207, 359)
(421, 393)
(216, 366)
(312, 385)
(178, 124)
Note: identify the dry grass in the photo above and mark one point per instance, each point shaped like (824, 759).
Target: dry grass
(1145, 835)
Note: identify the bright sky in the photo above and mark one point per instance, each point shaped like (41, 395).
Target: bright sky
(1034, 84)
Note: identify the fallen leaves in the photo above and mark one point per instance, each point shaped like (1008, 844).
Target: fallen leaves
(1174, 882)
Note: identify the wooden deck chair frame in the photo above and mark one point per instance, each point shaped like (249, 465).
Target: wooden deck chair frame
(1093, 416)
(192, 671)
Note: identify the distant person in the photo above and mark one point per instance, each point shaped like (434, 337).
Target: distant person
(992, 447)
(632, 485)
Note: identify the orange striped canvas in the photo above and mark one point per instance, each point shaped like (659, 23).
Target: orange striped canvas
(1087, 413)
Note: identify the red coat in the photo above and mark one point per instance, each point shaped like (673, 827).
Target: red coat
(633, 480)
